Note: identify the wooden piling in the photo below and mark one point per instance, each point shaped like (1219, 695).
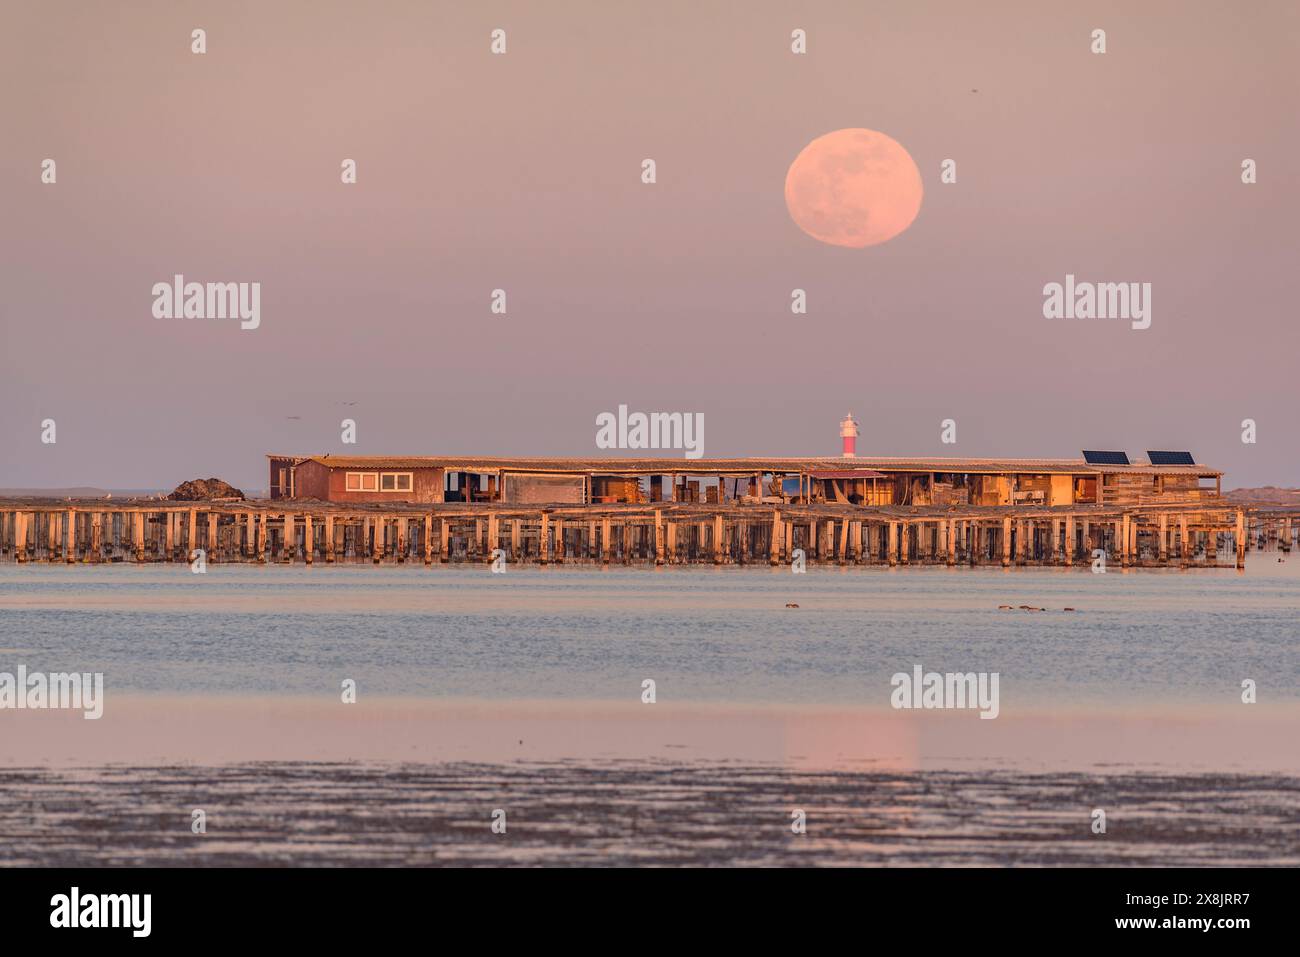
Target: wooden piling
(665, 533)
(70, 539)
(288, 539)
(96, 537)
(20, 537)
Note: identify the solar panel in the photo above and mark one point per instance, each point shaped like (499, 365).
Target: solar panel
(1171, 458)
(1105, 458)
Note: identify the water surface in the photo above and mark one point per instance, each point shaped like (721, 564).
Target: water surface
(704, 635)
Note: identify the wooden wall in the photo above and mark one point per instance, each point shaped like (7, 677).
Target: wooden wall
(329, 484)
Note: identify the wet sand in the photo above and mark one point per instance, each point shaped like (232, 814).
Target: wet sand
(638, 813)
(306, 781)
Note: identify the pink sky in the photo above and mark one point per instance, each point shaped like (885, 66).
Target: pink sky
(523, 172)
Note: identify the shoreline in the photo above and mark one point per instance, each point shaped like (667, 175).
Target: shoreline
(169, 729)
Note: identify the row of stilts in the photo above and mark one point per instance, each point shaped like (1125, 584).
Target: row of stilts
(675, 535)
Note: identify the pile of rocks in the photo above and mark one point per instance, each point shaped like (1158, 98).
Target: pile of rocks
(206, 490)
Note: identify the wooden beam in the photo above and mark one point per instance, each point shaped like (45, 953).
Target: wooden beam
(20, 537)
(138, 522)
(96, 552)
(288, 539)
(308, 537)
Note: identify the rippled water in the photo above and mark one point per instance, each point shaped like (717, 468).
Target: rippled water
(712, 635)
(620, 814)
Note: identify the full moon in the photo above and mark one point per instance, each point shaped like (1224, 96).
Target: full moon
(853, 188)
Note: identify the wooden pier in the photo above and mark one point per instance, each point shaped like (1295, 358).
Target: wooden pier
(666, 533)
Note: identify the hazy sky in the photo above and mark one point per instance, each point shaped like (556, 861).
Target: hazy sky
(523, 172)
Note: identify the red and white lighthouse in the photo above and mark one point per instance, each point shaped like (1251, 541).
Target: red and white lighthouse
(849, 435)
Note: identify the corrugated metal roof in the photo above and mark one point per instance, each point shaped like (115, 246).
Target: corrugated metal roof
(1141, 468)
(846, 474)
(377, 461)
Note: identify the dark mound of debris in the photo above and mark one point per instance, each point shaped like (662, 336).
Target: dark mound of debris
(206, 490)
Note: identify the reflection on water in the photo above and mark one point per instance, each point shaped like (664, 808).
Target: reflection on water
(639, 813)
(711, 636)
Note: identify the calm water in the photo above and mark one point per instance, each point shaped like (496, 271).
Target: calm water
(709, 635)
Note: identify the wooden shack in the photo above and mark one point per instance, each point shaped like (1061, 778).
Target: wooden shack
(355, 478)
(1097, 478)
